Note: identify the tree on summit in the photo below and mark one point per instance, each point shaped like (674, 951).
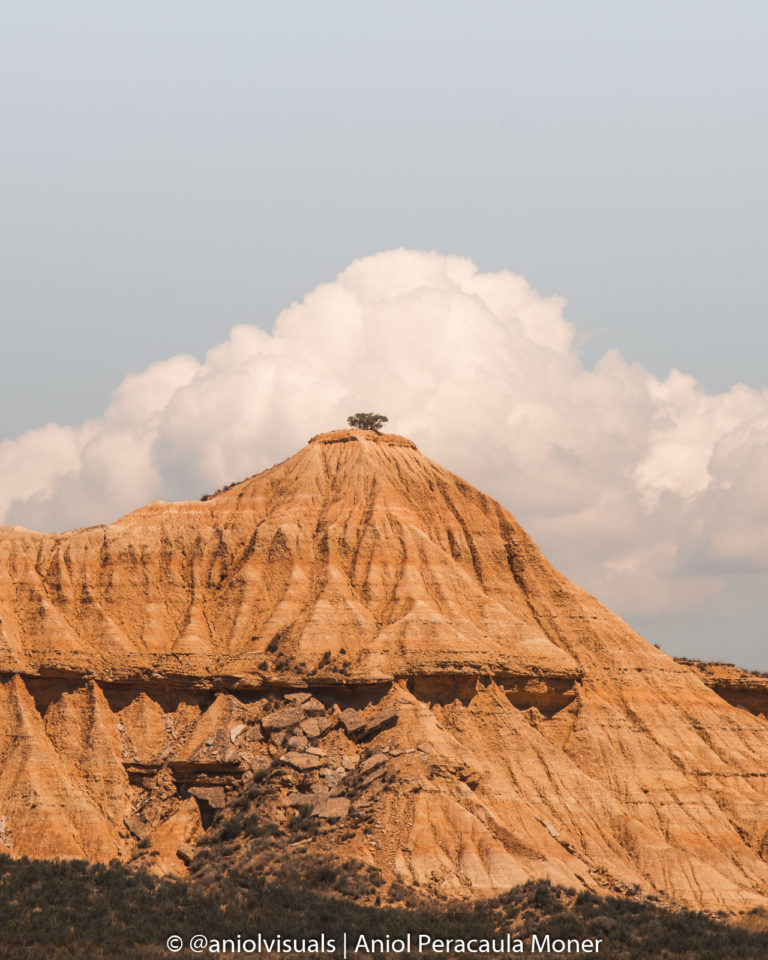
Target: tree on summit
(367, 421)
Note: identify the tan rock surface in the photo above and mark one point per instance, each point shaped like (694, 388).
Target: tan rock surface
(529, 732)
(742, 688)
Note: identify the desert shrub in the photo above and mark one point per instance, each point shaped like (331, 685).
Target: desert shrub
(70, 910)
(254, 826)
(231, 828)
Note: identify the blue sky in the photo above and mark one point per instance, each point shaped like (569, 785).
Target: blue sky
(173, 169)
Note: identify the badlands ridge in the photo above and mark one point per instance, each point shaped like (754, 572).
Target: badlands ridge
(364, 636)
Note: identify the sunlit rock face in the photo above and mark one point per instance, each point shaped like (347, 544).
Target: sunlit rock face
(387, 638)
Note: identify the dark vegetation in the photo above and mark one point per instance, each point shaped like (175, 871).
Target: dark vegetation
(367, 421)
(75, 910)
(210, 496)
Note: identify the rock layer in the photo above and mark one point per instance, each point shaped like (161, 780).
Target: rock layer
(359, 601)
(742, 688)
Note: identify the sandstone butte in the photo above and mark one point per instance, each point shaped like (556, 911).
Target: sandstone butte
(361, 618)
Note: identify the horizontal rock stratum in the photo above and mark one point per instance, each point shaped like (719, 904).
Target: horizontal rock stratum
(387, 639)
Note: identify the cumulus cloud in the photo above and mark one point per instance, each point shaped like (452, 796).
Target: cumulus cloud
(651, 493)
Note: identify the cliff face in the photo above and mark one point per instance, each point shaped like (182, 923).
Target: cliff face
(360, 631)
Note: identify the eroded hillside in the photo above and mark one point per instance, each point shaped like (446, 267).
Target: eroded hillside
(360, 638)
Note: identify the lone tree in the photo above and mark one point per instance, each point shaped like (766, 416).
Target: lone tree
(367, 421)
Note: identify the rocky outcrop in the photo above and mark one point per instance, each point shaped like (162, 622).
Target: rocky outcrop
(742, 688)
(360, 635)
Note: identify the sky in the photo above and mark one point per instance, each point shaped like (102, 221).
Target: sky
(173, 170)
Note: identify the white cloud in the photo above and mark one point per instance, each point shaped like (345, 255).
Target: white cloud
(651, 493)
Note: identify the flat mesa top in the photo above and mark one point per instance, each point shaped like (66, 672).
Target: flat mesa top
(346, 436)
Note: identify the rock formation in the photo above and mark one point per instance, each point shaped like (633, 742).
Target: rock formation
(366, 638)
(742, 688)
